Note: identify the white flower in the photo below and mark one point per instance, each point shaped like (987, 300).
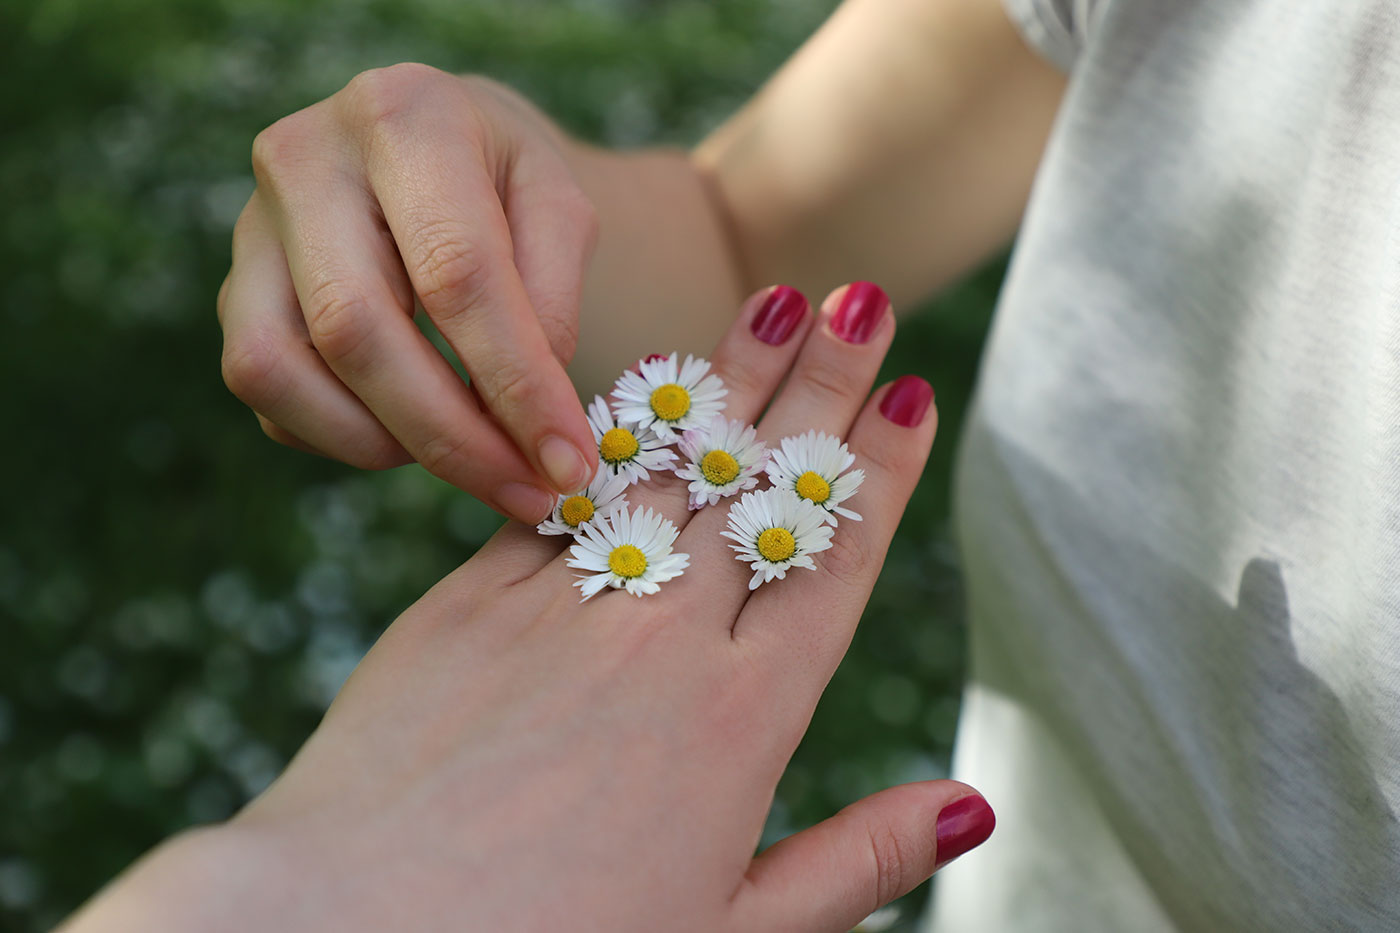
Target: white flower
(776, 529)
(605, 494)
(722, 458)
(812, 465)
(667, 397)
(628, 550)
(623, 452)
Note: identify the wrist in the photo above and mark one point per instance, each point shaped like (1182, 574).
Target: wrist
(213, 878)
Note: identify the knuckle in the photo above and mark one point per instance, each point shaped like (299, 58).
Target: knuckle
(747, 382)
(450, 270)
(509, 388)
(847, 561)
(441, 455)
(338, 321)
(381, 95)
(221, 299)
(827, 377)
(888, 460)
(577, 208)
(270, 430)
(275, 147)
(561, 330)
(251, 368)
(888, 864)
(243, 228)
(382, 453)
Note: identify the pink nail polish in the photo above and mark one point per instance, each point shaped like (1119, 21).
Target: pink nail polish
(963, 825)
(907, 401)
(862, 306)
(779, 315)
(653, 357)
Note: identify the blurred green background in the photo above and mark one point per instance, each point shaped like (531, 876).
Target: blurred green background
(181, 598)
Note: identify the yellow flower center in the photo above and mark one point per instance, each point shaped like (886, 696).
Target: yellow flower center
(777, 544)
(576, 510)
(670, 402)
(617, 445)
(627, 561)
(718, 467)
(811, 486)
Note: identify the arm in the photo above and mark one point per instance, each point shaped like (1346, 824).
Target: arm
(898, 145)
(509, 758)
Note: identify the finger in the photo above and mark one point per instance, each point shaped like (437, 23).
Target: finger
(832, 876)
(445, 213)
(751, 358)
(286, 438)
(554, 229)
(804, 623)
(838, 365)
(357, 307)
(269, 363)
(825, 390)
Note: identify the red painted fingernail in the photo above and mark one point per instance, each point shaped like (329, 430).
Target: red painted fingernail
(862, 306)
(637, 366)
(907, 401)
(963, 825)
(779, 315)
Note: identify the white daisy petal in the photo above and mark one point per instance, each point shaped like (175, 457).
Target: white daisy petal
(722, 458)
(668, 397)
(813, 466)
(775, 530)
(604, 495)
(626, 550)
(630, 453)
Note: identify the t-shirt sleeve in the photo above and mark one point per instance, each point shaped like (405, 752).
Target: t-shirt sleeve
(1057, 29)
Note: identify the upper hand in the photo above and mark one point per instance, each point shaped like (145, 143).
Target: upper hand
(413, 182)
(508, 758)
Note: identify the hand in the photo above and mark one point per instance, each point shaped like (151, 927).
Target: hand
(412, 182)
(506, 758)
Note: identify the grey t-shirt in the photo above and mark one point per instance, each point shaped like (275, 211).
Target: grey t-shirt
(1179, 491)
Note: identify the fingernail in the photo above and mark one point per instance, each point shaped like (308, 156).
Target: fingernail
(907, 401)
(563, 464)
(779, 315)
(649, 358)
(529, 504)
(963, 825)
(862, 306)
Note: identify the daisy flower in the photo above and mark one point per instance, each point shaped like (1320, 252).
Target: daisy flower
(623, 452)
(606, 494)
(776, 529)
(627, 550)
(812, 465)
(722, 458)
(667, 397)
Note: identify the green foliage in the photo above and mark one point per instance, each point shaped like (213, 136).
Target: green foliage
(180, 597)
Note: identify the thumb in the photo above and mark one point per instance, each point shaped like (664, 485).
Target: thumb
(831, 876)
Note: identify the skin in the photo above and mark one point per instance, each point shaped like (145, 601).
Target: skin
(898, 145)
(507, 757)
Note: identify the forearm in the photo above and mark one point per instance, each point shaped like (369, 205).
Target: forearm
(898, 145)
(199, 880)
(665, 274)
